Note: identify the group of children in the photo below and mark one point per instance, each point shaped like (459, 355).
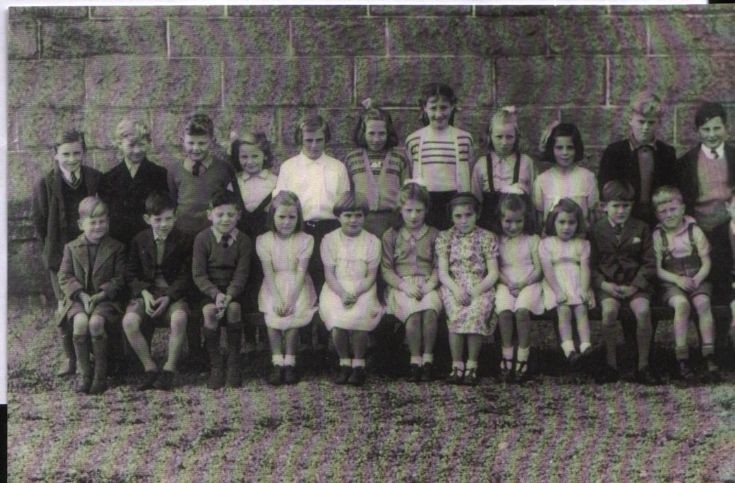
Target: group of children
(428, 227)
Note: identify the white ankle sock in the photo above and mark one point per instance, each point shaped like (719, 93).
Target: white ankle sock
(358, 362)
(568, 347)
(428, 358)
(289, 360)
(508, 352)
(416, 360)
(277, 359)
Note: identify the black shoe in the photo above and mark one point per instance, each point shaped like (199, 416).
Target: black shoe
(276, 376)
(149, 380)
(414, 373)
(685, 370)
(455, 377)
(358, 376)
(427, 372)
(521, 372)
(344, 375)
(607, 375)
(574, 358)
(83, 383)
(216, 378)
(289, 375)
(471, 378)
(713, 372)
(506, 370)
(647, 377)
(165, 381)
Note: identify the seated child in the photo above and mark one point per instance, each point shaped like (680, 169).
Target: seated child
(92, 280)
(220, 266)
(625, 267)
(348, 303)
(731, 231)
(683, 263)
(159, 277)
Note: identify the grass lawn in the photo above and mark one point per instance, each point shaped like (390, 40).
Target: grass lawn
(550, 429)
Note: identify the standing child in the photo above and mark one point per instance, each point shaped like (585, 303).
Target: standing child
(565, 179)
(504, 168)
(519, 288)
(377, 169)
(251, 156)
(468, 270)
(409, 269)
(683, 263)
(348, 304)
(565, 260)
(55, 217)
(220, 265)
(625, 267)
(441, 154)
(287, 296)
(731, 212)
(92, 280)
(159, 277)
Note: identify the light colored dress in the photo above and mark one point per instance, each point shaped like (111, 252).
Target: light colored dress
(284, 255)
(516, 263)
(353, 258)
(467, 256)
(567, 257)
(579, 184)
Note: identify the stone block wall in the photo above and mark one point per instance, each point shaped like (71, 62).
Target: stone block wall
(261, 67)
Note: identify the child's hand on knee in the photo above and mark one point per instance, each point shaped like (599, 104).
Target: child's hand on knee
(85, 298)
(148, 302)
(160, 305)
(627, 291)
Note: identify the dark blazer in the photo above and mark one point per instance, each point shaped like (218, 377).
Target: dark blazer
(688, 177)
(107, 274)
(176, 264)
(620, 162)
(126, 197)
(628, 262)
(50, 214)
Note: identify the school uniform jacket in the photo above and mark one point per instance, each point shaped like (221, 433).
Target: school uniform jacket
(620, 162)
(126, 196)
(630, 261)
(107, 274)
(175, 266)
(49, 212)
(688, 174)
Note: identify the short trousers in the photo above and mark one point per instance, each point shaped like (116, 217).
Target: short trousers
(137, 306)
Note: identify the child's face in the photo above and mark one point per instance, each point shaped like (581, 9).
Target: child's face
(197, 146)
(251, 159)
(351, 222)
(618, 211)
(511, 221)
(224, 218)
(564, 151)
(670, 214)
(94, 227)
(643, 127)
(312, 144)
(464, 218)
(70, 156)
(162, 223)
(133, 149)
(413, 213)
(566, 225)
(503, 138)
(376, 134)
(284, 219)
(438, 110)
(712, 133)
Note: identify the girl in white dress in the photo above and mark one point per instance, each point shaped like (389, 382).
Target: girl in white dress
(519, 287)
(565, 259)
(348, 303)
(287, 296)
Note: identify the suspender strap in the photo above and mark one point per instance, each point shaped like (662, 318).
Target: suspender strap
(695, 252)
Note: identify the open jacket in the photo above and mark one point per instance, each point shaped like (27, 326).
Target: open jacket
(689, 178)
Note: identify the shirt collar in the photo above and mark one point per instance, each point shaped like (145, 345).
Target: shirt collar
(189, 164)
(66, 174)
(634, 144)
(708, 151)
(218, 235)
(406, 234)
(262, 174)
(688, 220)
(132, 167)
(320, 160)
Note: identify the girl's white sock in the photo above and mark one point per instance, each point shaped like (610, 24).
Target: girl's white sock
(508, 352)
(471, 365)
(568, 347)
(345, 362)
(458, 365)
(584, 346)
(523, 353)
(277, 359)
(428, 358)
(358, 362)
(289, 360)
(416, 360)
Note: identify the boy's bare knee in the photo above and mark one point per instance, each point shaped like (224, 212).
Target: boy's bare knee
(178, 321)
(81, 324)
(96, 325)
(702, 303)
(131, 323)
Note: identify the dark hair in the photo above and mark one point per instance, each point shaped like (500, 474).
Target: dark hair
(71, 136)
(224, 197)
(311, 122)
(158, 202)
(199, 124)
(566, 205)
(515, 202)
(285, 198)
(375, 114)
(259, 140)
(505, 116)
(436, 89)
(564, 129)
(708, 111)
(411, 191)
(350, 201)
(464, 198)
(618, 190)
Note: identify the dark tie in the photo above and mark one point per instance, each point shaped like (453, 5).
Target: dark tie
(226, 240)
(197, 168)
(160, 247)
(714, 154)
(74, 178)
(618, 229)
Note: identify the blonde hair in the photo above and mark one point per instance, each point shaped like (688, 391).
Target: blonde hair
(664, 194)
(133, 129)
(92, 206)
(646, 103)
